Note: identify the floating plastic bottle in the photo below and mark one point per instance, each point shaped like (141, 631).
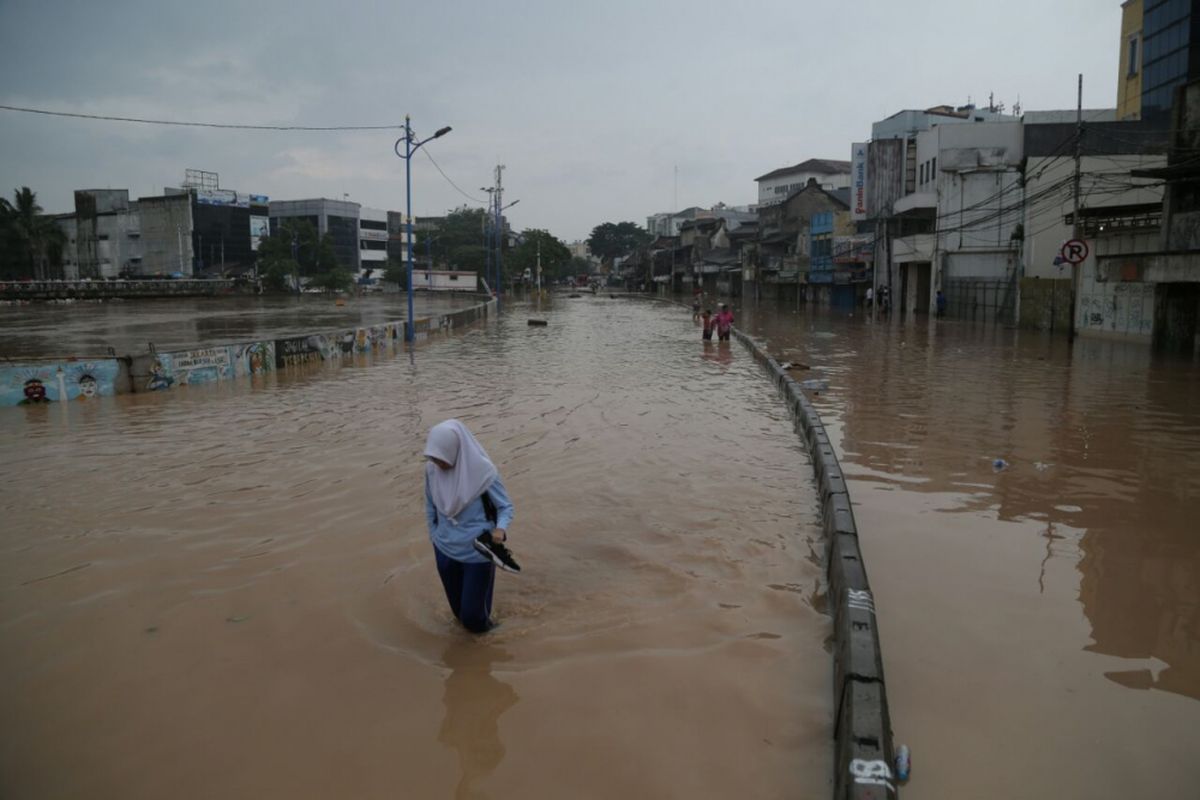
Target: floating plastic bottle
(903, 762)
(999, 464)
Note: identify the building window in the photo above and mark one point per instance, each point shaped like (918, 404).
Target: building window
(1133, 56)
(932, 167)
(372, 225)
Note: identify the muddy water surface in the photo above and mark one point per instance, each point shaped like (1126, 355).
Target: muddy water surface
(1040, 621)
(228, 591)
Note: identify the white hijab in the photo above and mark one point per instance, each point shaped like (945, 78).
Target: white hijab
(471, 471)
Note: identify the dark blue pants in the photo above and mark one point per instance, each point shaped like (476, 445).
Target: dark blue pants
(469, 590)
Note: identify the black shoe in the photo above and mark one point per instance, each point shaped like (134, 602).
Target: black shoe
(497, 553)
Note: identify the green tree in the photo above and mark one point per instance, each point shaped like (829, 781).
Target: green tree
(295, 240)
(555, 255)
(336, 280)
(31, 243)
(460, 239)
(278, 275)
(396, 272)
(578, 266)
(326, 260)
(611, 240)
(275, 262)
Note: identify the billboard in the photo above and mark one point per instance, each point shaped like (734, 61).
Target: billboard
(228, 197)
(858, 181)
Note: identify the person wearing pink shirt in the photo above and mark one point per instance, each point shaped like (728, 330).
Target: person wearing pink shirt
(724, 322)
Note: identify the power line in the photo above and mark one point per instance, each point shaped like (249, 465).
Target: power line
(180, 123)
(452, 183)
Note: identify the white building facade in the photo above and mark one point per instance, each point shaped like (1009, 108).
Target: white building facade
(777, 185)
(372, 240)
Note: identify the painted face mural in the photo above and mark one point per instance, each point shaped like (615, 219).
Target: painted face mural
(35, 392)
(87, 387)
(159, 379)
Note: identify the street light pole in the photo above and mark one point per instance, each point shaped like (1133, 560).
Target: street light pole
(487, 243)
(409, 148)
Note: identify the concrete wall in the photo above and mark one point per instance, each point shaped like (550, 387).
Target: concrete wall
(1045, 304)
(1122, 309)
(864, 752)
(33, 382)
(166, 233)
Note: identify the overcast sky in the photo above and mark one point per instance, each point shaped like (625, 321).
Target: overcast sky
(590, 105)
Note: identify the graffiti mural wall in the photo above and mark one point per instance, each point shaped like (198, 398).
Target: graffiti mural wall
(1122, 308)
(209, 365)
(36, 382)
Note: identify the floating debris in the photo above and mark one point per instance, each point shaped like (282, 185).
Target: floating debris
(538, 322)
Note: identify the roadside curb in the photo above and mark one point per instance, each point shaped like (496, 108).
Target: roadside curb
(863, 751)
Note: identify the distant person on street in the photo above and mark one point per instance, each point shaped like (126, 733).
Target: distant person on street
(709, 324)
(724, 323)
(468, 512)
(870, 296)
(941, 304)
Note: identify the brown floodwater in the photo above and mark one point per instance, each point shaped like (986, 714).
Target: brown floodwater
(228, 590)
(1041, 622)
(130, 326)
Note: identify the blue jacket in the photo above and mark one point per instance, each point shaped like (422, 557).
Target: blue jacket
(456, 541)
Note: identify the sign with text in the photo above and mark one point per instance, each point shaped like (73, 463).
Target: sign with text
(217, 357)
(299, 350)
(858, 181)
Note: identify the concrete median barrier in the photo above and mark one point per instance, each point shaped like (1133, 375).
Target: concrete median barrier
(863, 749)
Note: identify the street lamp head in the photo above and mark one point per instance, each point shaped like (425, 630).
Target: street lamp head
(442, 132)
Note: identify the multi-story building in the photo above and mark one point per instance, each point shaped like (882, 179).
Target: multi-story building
(166, 234)
(777, 185)
(1170, 43)
(372, 240)
(423, 227)
(104, 236)
(1129, 77)
(930, 177)
(338, 218)
(223, 225)
(668, 223)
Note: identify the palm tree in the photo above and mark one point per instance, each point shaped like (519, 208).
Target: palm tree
(32, 242)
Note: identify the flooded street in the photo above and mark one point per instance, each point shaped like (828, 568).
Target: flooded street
(1041, 622)
(82, 328)
(229, 591)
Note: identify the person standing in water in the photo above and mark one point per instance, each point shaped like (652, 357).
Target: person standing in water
(708, 321)
(724, 323)
(468, 511)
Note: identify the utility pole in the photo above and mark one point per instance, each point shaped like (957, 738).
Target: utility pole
(539, 267)
(499, 234)
(1075, 215)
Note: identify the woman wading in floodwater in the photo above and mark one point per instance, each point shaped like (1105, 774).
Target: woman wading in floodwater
(468, 512)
